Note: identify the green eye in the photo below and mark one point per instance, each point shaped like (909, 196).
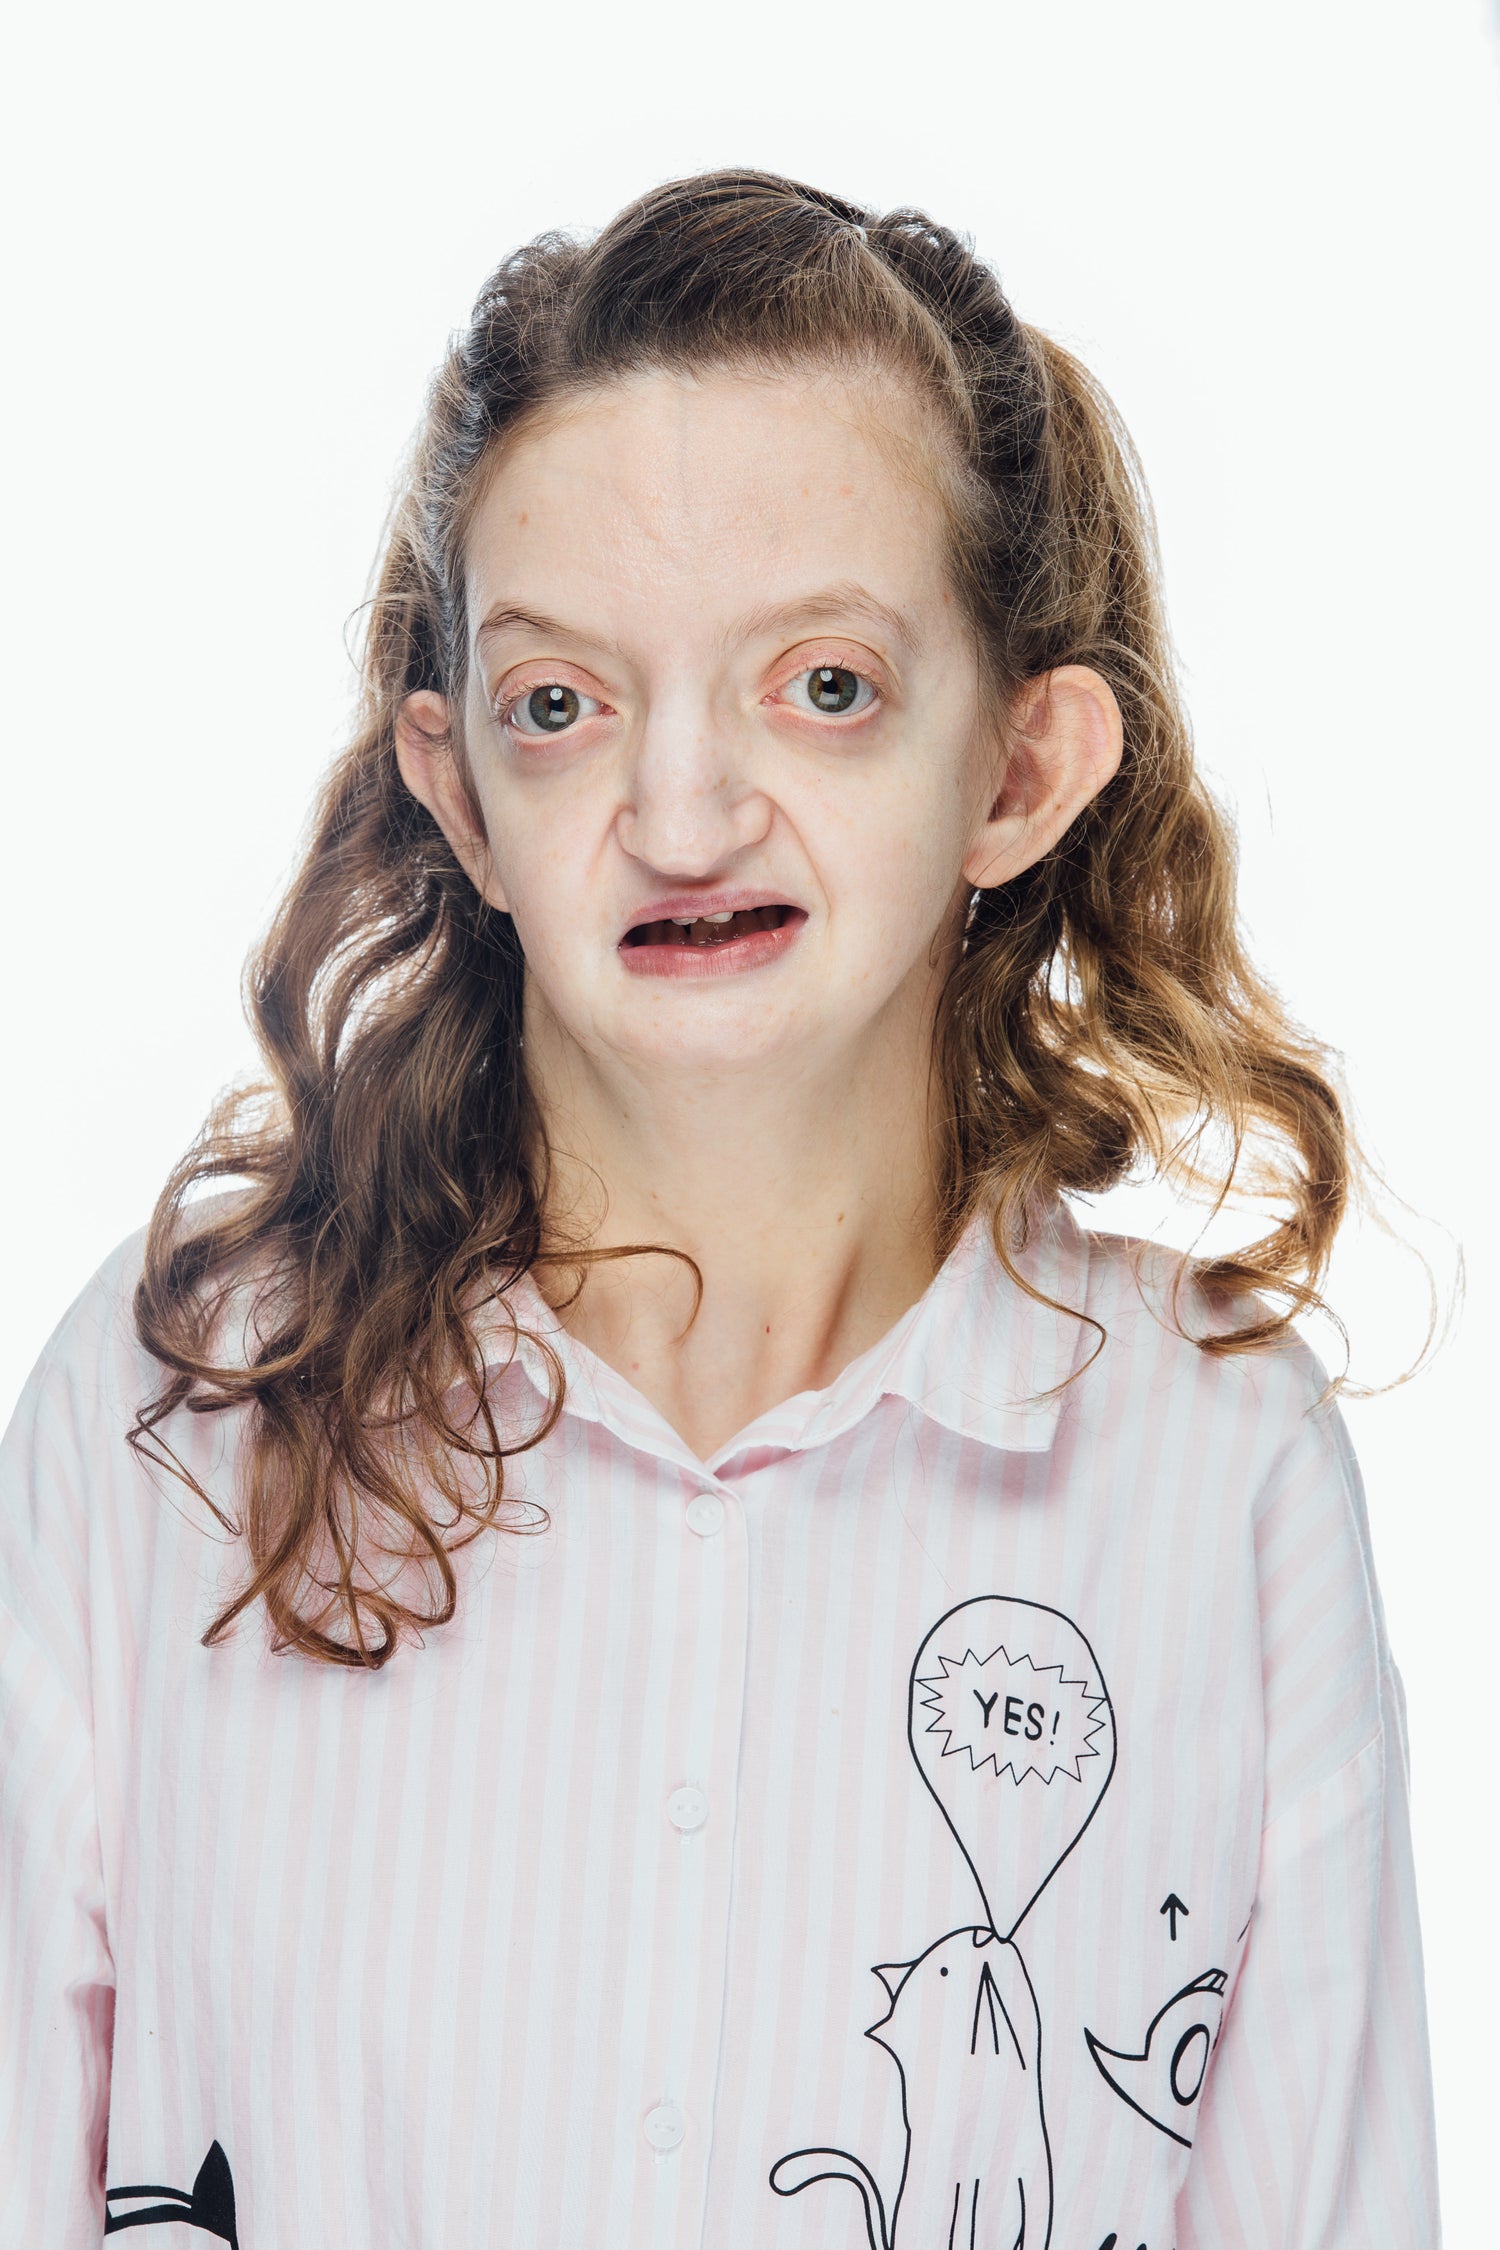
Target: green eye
(545, 709)
(552, 706)
(549, 709)
(832, 690)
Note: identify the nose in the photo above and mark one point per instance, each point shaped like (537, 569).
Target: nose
(691, 802)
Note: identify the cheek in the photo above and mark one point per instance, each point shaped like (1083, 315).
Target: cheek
(895, 856)
(545, 840)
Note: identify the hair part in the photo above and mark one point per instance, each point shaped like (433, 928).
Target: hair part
(1104, 1014)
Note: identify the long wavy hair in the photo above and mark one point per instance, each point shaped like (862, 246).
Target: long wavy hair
(1103, 1016)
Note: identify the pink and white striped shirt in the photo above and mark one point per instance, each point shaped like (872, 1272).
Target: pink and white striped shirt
(950, 1816)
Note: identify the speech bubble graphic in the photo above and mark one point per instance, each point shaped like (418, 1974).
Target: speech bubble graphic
(1013, 1731)
(1015, 1716)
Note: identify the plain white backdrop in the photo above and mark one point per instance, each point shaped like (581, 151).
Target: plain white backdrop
(240, 238)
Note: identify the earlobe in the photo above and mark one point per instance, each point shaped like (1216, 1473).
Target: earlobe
(429, 767)
(1065, 744)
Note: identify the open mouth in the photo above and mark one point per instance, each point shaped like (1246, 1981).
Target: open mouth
(712, 929)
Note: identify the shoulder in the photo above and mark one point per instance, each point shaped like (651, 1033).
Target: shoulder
(94, 1372)
(86, 1518)
(1152, 1303)
(1263, 1422)
(1275, 1412)
(63, 1459)
(96, 1335)
(1263, 1430)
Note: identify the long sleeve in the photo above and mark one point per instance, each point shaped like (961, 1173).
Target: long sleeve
(1316, 2130)
(56, 1974)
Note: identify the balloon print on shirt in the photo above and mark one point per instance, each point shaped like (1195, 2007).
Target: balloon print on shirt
(208, 2204)
(1013, 1732)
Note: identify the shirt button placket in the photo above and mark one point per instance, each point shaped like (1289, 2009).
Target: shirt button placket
(687, 1809)
(665, 2125)
(698, 1808)
(705, 1514)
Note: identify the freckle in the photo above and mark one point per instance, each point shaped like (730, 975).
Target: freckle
(523, 519)
(839, 1220)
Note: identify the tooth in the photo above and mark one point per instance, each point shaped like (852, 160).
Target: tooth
(685, 921)
(717, 917)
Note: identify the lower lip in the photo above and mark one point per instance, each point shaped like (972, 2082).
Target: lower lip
(726, 959)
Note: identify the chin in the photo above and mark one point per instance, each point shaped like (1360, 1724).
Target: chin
(737, 1042)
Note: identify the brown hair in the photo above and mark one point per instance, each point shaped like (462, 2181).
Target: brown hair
(1103, 1013)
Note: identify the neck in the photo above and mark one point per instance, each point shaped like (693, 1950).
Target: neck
(804, 1197)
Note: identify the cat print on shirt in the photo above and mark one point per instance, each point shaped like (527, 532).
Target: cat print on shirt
(969, 1997)
(1013, 1733)
(208, 2204)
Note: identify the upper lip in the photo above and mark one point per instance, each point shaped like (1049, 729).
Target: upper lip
(696, 903)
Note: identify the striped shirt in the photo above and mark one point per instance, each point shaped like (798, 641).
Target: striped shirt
(963, 1811)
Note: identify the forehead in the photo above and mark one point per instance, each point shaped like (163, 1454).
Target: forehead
(668, 493)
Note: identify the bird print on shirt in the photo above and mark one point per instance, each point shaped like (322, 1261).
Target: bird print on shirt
(1165, 2077)
(1013, 1733)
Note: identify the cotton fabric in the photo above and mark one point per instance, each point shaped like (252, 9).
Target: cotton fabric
(970, 1809)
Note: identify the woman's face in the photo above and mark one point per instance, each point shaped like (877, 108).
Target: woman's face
(723, 720)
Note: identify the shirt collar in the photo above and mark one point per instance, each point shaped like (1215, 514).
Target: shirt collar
(976, 1354)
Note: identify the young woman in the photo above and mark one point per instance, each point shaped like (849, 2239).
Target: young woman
(631, 1636)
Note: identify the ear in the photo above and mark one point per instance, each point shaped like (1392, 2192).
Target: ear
(425, 754)
(1064, 744)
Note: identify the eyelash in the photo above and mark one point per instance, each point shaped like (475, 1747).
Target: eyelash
(506, 708)
(508, 705)
(834, 664)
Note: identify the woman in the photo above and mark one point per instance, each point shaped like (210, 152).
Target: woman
(755, 1684)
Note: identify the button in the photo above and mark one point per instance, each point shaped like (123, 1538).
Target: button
(705, 1513)
(665, 2126)
(687, 1808)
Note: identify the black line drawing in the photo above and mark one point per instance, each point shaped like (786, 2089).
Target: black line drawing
(1163, 2080)
(1013, 1733)
(208, 2204)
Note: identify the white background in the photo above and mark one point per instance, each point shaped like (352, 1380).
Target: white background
(243, 237)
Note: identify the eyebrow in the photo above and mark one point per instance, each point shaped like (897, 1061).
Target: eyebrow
(828, 605)
(506, 614)
(846, 599)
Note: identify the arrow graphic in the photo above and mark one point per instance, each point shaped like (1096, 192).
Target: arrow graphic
(1172, 1906)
